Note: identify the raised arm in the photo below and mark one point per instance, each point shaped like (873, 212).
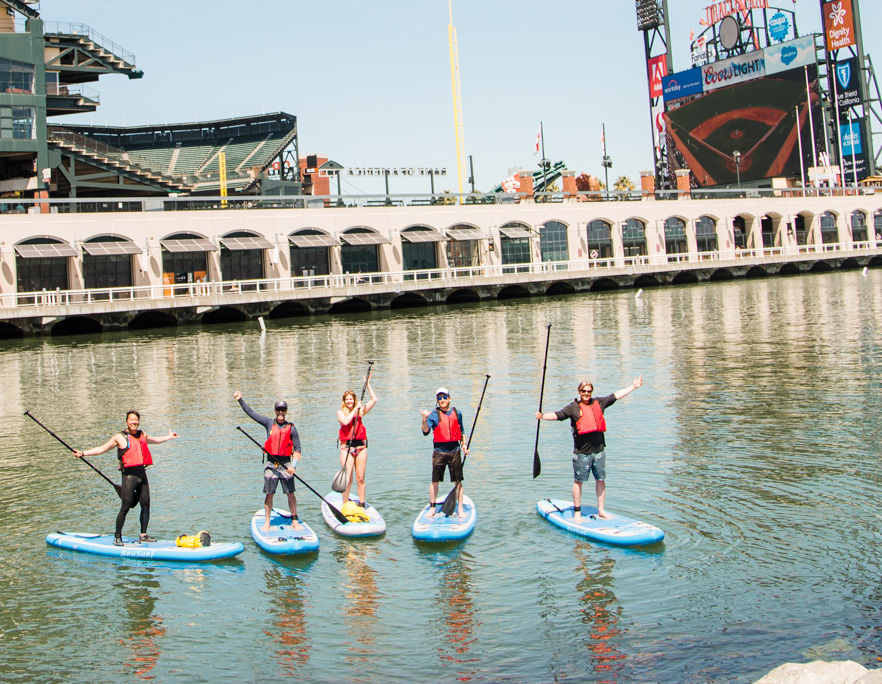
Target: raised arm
(256, 417)
(115, 441)
(625, 391)
(373, 399)
(164, 438)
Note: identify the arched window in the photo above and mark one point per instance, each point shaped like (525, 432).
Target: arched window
(107, 261)
(360, 251)
(706, 234)
(739, 230)
(877, 225)
(310, 252)
(515, 243)
(859, 226)
(184, 260)
(553, 241)
(829, 234)
(767, 228)
(599, 242)
(419, 249)
(464, 247)
(242, 257)
(41, 263)
(675, 238)
(634, 237)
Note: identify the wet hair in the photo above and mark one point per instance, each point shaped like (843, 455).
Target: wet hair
(348, 393)
(129, 413)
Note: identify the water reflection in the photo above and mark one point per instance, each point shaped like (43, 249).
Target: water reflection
(457, 605)
(289, 625)
(362, 600)
(143, 629)
(601, 612)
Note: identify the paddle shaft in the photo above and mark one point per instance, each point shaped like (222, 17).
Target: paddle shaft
(450, 502)
(337, 514)
(83, 459)
(358, 418)
(537, 464)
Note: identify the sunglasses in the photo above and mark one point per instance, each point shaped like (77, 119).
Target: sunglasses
(443, 396)
(585, 391)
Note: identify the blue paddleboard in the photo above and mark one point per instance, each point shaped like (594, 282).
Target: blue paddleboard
(164, 549)
(282, 538)
(440, 528)
(617, 530)
(374, 527)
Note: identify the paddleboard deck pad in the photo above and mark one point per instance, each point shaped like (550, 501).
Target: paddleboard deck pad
(373, 527)
(163, 549)
(618, 530)
(440, 528)
(282, 538)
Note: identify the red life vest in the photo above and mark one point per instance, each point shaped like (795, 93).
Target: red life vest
(591, 420)
(279, 442)
(136, 452)
(355, 430)
(448, 428)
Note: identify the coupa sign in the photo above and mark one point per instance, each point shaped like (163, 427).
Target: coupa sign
(735, 70)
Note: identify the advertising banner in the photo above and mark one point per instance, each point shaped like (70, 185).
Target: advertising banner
(682, 84)
(838, 24)
(738, 69)
(790, 55)
(847, 88)
(779, 27)
(854, 160)
(657, 69)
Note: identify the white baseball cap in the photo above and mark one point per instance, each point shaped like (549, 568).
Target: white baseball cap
(442, 390)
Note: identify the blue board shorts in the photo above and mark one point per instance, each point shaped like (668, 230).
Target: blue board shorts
(272, 477)
(584, 465)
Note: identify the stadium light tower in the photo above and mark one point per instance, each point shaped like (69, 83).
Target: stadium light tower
(652, 20)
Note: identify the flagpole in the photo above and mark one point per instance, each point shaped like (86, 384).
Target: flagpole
(544, 162)
(801, 163)
(808, 94)
(605, 165)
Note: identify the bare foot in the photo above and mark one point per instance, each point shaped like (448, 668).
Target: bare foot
(604, 515)
(431, 512)
(266, 526)
(462, 514)
(295, 523)
(577, 517)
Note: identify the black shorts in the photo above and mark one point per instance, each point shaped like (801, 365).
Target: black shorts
(447, 459)
(353, 443)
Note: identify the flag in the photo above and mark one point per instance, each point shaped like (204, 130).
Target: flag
(538, 147)
(691, 35)
(603, 142)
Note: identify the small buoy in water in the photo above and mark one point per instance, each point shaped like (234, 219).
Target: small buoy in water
(262, 324)
(639, 292)
(864, 272)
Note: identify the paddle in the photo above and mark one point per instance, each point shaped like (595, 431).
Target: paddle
(340, 481)
(337, 514)
(537, 464)
(83, 459)
(449, 504)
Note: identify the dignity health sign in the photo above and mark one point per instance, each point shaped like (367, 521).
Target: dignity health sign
(838, 24)
(734, 70)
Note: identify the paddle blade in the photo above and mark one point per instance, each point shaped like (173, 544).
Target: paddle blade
(537, 464)
(337, 514)
(449, 504)
(118, 490)
(339, 483)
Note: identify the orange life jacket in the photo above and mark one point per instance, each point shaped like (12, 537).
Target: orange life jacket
(136, 452)
(279, 442)
(448, 428)
(591, 420)
(355, 430)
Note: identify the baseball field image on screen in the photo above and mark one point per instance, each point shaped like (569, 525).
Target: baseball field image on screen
(761, 119)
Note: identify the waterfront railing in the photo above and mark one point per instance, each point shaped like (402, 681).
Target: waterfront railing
(221, 292)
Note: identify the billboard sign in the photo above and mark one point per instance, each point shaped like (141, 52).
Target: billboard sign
(854, 160)
(847, 88)
(779, 27)
(682, 84)
(738, 69)
(725, 8)
(838, 24)
(790, 55)
(658, 69)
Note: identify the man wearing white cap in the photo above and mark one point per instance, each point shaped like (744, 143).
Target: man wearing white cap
(446, 425)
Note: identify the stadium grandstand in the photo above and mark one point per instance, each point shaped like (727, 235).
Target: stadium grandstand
(259, 153)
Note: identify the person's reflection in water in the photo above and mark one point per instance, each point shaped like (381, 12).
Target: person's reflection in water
(289, 626)
(362, 599)
(458, 606)
(600, 612)
(143, 628)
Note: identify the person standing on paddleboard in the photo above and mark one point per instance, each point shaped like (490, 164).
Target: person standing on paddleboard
(588, 424)
(283, 453)
(353, 439)
(134, 457)
(445, 424)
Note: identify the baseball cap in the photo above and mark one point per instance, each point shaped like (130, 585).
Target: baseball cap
(281, 405)
(442, 390)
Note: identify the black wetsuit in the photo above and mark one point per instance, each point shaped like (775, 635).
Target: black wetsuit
(135, 490)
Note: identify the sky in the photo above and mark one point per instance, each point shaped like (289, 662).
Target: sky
(369, 82)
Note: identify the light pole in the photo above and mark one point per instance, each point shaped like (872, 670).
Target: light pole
(736, 157)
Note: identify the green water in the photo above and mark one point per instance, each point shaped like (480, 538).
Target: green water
(754, 443)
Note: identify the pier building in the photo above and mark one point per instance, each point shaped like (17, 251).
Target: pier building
(160, 262)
